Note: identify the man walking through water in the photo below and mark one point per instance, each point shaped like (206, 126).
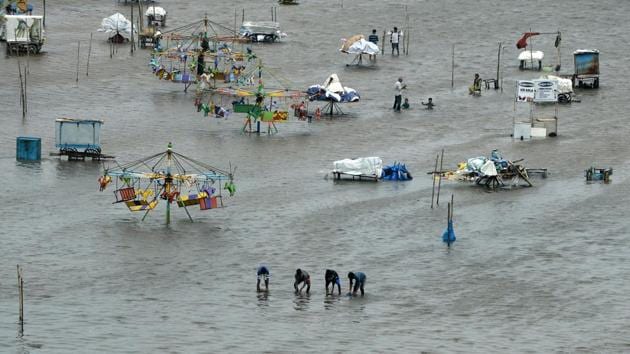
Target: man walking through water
(395, 39)
(398, 87)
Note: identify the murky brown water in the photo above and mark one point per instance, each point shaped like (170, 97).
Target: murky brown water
(542, 269)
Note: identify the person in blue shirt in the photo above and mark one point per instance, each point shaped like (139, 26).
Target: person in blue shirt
(262, 273)
(332, 278)
(302, 277)
(359, 282)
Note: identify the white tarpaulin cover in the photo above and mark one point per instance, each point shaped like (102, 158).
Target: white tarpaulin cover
(368, 166)
(155, 11)
(361, 46)
(564, 85)
(527, 55)
(116, 23)
(488, 169)
(333, 84)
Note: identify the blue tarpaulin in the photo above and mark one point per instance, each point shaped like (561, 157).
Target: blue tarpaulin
(449, 234)
(396, 172)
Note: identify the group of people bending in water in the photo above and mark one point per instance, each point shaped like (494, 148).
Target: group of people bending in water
(356, 281)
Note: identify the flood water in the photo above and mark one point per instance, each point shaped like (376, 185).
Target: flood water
(540, 269)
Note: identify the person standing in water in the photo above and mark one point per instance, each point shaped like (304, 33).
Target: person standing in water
(374, 39)
(398, 88)
(429, 104)
(332, 278)
(359, 282)
(262, 273)
(302, 277)
(394, 39)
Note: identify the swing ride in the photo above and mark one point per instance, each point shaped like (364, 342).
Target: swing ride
(171, 177)
(180, 55)
(249, 96)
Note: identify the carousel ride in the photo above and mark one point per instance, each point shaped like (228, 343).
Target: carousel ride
(262, 101)
(170, 177)
(181, 55)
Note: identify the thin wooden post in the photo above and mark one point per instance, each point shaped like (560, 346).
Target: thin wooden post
(133, 43)
(243, 16)
(435, 171)
(25, 94)
(383, 41)
(87, 69)
(20, 283)
(78, 52)
(498, 64)
(453, 67)
(440, 180)
(44, 19)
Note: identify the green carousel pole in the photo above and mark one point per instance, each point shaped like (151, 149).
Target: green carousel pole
(168, 181)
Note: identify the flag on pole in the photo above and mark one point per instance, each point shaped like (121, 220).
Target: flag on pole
(522, 43)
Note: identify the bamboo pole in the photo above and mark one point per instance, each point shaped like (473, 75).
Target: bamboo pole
(453, 67)
(440, 180)
(20, 283)
(25, 95)
(87, 69)
(133, 43)
(21, 88)
(78, 52)
(383, 45)
(435, 171)
(44, 19)
(498, 64)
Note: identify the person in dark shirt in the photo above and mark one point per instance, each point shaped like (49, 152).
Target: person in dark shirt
(332, 278)
(374, 39)
(262, 273)
(429, 104)
(302, 277)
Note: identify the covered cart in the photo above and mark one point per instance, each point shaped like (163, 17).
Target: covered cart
(156, 16)
(78, 138)
(586, 63)
(261, 31)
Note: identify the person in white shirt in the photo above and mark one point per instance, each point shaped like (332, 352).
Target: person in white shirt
(394, 39)
(398, 87)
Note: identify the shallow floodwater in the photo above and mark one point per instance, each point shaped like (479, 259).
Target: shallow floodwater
(540, 269)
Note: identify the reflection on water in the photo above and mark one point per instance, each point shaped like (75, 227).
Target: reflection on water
(301, 301)
(263, 299)
(331, 301)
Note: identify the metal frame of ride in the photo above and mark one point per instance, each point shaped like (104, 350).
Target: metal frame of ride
(184, 50)
(171, 177)
(251, 85)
